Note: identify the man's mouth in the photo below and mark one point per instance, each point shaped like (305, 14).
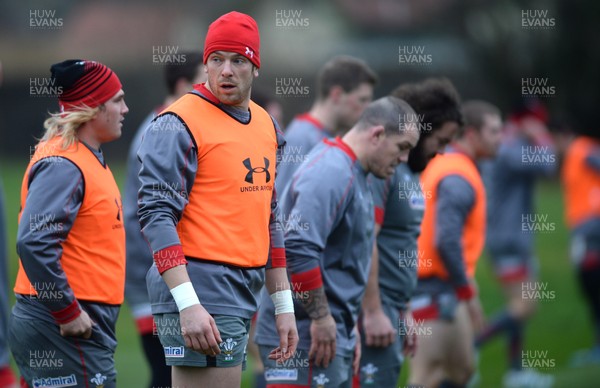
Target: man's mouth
(227, 86)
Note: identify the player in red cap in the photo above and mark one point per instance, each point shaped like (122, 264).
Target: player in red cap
(71, 240)
(208, 208)
(526, 154)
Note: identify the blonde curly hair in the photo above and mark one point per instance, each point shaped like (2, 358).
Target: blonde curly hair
(66, 124)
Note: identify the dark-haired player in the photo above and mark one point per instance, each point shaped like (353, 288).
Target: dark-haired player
(399, 204)
(451, 241)
(344, 89)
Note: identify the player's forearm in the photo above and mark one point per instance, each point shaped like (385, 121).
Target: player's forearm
(279, 289)
(455, 199)
(47, 278)
(306, 276)
(276, 280)
(182, 289)
(452, 256)
(315, 304)
(454, 263)
(277, 258)
(176, 276)
(372, 300)
(45, 274)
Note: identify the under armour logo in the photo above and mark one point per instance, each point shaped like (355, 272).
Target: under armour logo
(252, 170)
(251, 53)
(119, 209)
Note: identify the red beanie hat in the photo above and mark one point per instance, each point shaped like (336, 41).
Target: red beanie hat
(235, 32)
(530, 107)
(84, 82)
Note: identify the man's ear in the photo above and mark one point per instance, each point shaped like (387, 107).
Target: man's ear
(335, 93)
(470, 133)
(376, 133)
(255, 71)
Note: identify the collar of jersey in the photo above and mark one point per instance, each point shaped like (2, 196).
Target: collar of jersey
(311, 119)
(338, 142)
(206, 93)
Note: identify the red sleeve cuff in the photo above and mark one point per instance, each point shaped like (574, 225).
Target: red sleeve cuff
(67, 314)
(308, 280)
(379, 214)
(145, 325)
(465, 292)
(278, 258)
(169, 257)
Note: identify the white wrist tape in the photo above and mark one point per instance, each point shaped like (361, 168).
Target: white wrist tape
(185, 295)
(283, 302)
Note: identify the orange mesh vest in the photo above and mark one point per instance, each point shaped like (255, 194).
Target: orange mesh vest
(93, 257)
(473, 234)
(227, 217)
(581, 183)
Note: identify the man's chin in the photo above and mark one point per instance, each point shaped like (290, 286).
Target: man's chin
(381, 174)
(231, 101)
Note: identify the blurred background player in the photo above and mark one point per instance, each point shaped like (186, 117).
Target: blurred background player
(451, 241)
(268, 103)
(208, 208)
(581, 186)
(344, 89)
(399, 204)
(274, 108)
(328, 241)
(179, 79)
(71, 239)
(7, 377)
(525, 154)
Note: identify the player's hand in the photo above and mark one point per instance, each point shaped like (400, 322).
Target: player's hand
(476, 314)
(199, 330)
(323, 340)
(378, 328)
(288, 337)
(410, 338)
(78, 327)
(357, 354)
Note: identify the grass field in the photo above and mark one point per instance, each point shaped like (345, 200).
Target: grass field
(560, 327)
